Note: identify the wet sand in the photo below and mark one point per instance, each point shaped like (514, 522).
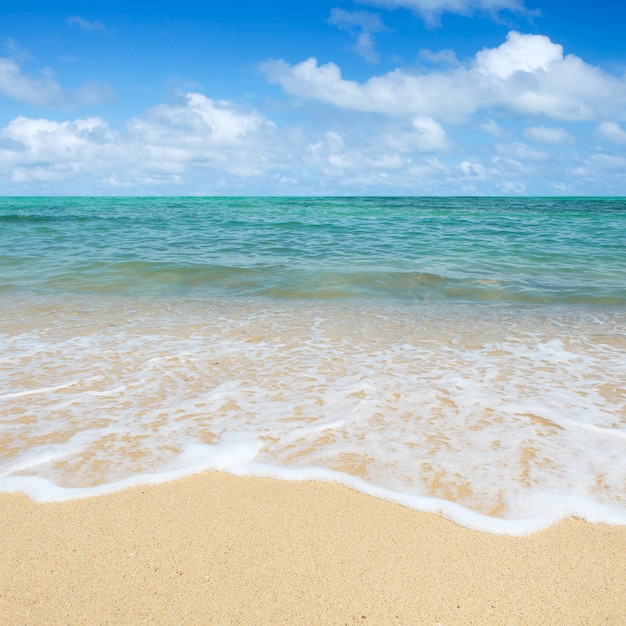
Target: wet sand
(215, 549)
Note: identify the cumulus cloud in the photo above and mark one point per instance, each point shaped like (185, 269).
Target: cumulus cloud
(45, 150)
(84, 24)
(362, 25)
(167, 144)
(420, 134)
(396, 93)
(199, 131)
(431, 135)
(203, 146)
(431, 10)
(520, 53)
(474, 170)
(45, 91)
(199, 145)
(199, 120)
(527, 74)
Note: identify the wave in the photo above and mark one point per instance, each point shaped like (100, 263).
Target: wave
(280, 281)
(503, 419)
(478, 250)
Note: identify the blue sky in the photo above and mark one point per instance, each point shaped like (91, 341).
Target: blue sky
(351, 97)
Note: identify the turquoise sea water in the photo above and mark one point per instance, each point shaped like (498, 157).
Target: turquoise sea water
(507, 250)
(460, 355)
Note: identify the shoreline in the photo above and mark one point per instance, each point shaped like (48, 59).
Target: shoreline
(218, 549)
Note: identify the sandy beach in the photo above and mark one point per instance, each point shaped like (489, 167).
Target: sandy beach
(216, 549)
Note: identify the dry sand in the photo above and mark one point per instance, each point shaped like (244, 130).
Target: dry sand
(213, 549)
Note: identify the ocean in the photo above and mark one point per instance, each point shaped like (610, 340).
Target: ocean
(463, 356)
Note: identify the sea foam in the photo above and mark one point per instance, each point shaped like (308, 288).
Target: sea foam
(501, 418)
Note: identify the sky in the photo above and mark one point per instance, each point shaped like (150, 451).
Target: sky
(345, 97)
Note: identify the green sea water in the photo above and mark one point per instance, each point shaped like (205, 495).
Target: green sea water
(507, 250)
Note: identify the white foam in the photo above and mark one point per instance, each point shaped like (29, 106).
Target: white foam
(501, 420)
(31, 392)
(556, 506)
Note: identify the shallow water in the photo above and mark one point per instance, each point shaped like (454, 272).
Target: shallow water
(462, 356)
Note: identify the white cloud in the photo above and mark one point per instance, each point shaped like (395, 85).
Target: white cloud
(431, 135)
(33, 90)
(197, 121)
(361, 24)
(199, 145)
(396, 93)
(473, 170)
(43, 90)
(613, 132)
(431, 10)
(544, 134)
(47, 150)
(84, 24)
(520, 53)
(168, 144)
(201, 132)
(527, 74)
